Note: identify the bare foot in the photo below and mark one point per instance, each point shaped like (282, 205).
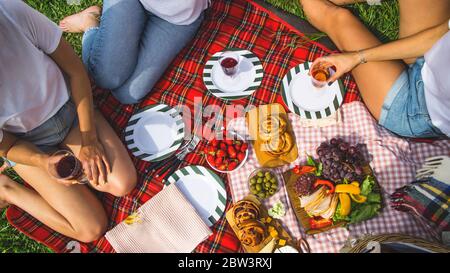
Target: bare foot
(81, 21)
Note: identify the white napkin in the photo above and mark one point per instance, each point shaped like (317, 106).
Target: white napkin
(333, 119)
(167, 223)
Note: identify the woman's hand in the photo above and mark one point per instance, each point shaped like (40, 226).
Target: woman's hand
(46, 161)
(95, 163)
(343, 63)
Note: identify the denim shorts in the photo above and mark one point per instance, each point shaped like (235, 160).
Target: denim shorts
(404, 110)
(52, 132)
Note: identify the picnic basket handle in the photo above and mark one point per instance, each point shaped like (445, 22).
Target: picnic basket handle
(303, 246)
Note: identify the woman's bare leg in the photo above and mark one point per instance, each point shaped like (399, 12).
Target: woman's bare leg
(73, 211)
(123, 178)
(374, 79)
(346, 2)
(418, 15)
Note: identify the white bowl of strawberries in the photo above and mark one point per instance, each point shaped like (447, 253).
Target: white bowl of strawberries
(226, 155)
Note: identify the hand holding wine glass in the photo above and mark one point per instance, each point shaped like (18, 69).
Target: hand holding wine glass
(342, 63)
(66, 168)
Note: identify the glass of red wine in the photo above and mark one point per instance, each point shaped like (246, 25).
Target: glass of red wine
(230, 63)
(64, 165)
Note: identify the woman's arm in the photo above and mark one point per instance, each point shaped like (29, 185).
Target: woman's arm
(410, 47)
(80, 86)
(92, 155)
(22, 152)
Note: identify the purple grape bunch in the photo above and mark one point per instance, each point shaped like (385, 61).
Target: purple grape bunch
(340, 160)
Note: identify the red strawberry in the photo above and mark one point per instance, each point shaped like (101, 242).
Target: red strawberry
(229, 142)
(231, 152)
(232, 165)
(244, 147)
(211, 159)
(223, 146)
(241, 157)
(222, 167)
(214, 143)
(206, 150)
(238, 146)
(226, 162)
(221, 153)
(211, 150)
(218, 161)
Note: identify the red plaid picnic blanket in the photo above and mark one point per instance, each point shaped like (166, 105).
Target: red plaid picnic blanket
(228, 24)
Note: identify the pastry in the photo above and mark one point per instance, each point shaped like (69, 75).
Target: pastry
(271, 127)
(252, 233)
(280, 146)
(245, 210)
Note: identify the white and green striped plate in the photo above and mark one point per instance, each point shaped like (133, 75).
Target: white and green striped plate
(154, 132)
(245, 83)
(307, 101)
(204, 189)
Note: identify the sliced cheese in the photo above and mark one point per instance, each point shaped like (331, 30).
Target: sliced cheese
(321, 207)
(310, 199)
(332, 208)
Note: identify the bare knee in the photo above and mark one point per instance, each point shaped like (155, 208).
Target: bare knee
(92, 231)
(344, 2)
(324, 15)
(122, 184)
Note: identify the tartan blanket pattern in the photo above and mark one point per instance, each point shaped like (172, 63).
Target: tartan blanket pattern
(238, 24)
(427, 199)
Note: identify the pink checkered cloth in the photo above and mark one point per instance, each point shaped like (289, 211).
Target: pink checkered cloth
(393, 159)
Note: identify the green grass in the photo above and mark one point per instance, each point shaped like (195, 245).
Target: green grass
(56, 10)
(382, 20)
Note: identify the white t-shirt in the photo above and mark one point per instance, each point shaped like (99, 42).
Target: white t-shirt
(178, 12)
(32, 87)
(436, 81)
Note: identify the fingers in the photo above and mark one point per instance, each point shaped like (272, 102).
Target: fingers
(66, 182)
(334, 77)
(106, 162)
(87, 170)
(102, 171)
(94, 172)
(316, 62)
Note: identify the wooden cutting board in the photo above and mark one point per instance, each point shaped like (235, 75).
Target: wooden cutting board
(269, 243)
(290, 178)
(301, 214)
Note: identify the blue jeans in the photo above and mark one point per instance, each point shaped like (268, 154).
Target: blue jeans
(404, 110)
(131, 49)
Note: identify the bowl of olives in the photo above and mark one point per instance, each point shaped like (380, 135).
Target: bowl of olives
(263, 183)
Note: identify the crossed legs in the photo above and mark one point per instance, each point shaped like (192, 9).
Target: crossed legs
(73, 211)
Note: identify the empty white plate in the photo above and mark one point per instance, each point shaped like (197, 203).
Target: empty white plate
(154, 132)
(204, 190)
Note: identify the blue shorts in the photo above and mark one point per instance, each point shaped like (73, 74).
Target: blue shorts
(404, 110)
(51, 133)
